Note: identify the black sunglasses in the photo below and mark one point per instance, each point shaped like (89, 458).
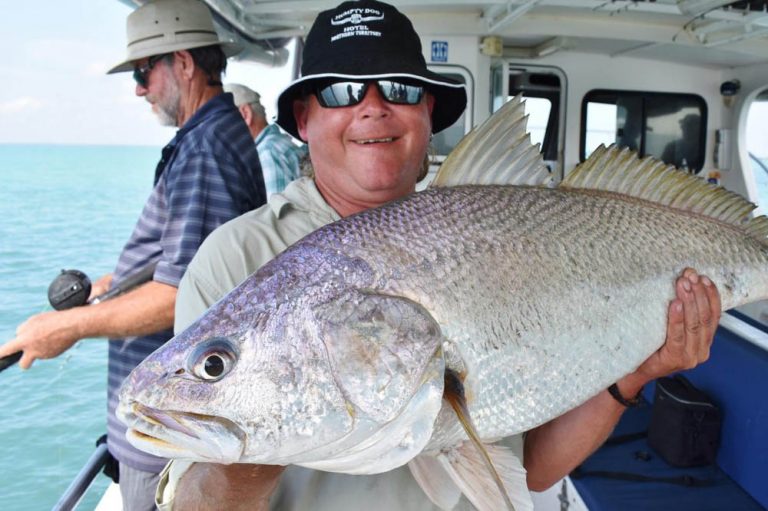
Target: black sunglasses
(141, 73)
(341, 94)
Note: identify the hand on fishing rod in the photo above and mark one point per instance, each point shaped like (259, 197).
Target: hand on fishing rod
(42, 336)
(146, 309)
(100, 286)
(49, 334)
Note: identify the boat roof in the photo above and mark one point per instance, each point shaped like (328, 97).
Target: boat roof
(716, 33)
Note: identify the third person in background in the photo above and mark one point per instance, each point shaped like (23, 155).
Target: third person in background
(280, 157)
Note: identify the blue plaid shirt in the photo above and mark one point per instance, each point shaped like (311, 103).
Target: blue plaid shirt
(208, 174)
(280, 158)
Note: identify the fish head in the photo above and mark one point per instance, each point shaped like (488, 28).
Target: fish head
(317, 372)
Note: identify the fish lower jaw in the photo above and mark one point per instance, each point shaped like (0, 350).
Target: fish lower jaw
(154, 445)
(183, 435)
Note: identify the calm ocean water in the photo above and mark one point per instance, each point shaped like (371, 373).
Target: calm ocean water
(60, 207)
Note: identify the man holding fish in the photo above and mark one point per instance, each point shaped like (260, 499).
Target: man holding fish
(367, 106)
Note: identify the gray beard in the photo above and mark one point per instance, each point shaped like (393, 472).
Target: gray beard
(168, 107)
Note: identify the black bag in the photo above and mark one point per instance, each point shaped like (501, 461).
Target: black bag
(685, 423)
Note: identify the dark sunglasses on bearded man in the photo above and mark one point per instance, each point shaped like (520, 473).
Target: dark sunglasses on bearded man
(141, 73)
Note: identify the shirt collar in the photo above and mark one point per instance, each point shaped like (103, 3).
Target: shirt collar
(218, 103)
(303, 195)
(270, 129)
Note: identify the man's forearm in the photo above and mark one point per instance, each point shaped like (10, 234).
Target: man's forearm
(143, 311)
(554, 449)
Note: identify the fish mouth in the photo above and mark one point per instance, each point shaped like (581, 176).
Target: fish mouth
(186, 435)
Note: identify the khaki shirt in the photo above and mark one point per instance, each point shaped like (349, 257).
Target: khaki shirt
(228, 256)
(241, 246)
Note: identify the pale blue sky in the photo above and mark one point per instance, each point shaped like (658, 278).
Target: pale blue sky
(54, 87)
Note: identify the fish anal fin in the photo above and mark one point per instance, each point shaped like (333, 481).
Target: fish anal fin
(436, 482)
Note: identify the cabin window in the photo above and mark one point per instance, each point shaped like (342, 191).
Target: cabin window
(671, 127)
(757, 149)
(538, 110)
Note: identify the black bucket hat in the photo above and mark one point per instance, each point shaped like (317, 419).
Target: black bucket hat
(368, 40)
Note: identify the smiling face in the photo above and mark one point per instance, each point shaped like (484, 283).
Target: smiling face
(367, 154)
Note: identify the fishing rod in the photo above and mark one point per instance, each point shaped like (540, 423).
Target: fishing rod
(71, 288)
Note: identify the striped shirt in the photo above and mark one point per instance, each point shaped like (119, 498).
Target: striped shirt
(280, 158)
(208, 174)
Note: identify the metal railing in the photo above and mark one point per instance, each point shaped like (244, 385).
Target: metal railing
(77, 488)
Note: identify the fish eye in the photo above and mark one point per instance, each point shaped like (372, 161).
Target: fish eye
(213, 359)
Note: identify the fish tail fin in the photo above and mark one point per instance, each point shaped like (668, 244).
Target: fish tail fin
(497, 152)
(620, 170)
(474, 467)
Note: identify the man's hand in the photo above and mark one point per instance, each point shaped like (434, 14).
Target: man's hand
(553, 449)
(691, 323)
(42, 336)
(207, 486)
(100, 286)
(145, 310)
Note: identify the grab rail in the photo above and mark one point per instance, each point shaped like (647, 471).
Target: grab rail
(77, 488)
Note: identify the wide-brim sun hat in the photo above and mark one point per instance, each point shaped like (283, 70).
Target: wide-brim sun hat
(166, 26)
(368, 40)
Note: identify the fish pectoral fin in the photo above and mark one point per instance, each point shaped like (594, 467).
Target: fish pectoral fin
(435, 481)
(380, 348)
(468, 470)
(491, 476)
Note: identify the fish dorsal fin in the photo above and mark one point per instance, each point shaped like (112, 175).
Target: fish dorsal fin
(498, 152)
(620, 170)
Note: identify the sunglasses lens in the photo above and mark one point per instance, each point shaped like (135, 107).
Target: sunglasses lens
(141, 73)
(400, 93)
(341, 94)
(140, 76)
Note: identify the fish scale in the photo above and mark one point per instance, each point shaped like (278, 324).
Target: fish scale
(618, 250)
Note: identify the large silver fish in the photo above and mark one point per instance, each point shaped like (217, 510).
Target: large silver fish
(333, 355)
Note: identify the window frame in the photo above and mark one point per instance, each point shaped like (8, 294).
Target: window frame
(469, 83)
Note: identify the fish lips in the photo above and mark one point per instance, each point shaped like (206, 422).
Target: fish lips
(185, 435)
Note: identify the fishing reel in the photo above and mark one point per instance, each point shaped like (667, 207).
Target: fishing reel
(71, 288)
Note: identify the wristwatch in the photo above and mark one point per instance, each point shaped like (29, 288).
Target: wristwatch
(614, 391)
